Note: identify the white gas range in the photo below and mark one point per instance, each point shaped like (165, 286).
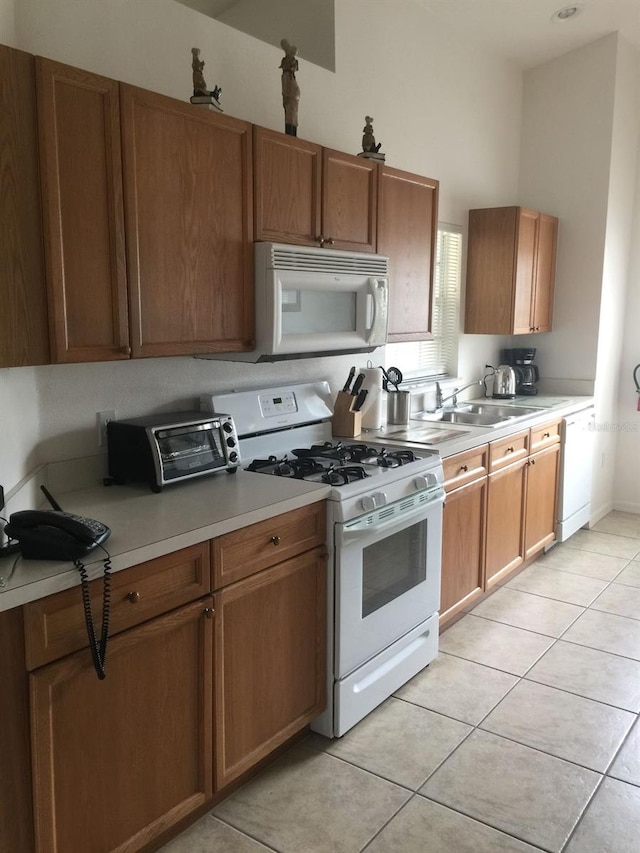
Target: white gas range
(384, 539)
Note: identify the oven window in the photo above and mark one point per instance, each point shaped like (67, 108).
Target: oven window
(310, 312)
(393, 566)
(188, 452)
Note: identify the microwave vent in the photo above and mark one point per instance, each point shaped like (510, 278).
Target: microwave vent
(327, 261)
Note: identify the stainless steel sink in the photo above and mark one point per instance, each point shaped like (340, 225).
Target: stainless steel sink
(477, 414)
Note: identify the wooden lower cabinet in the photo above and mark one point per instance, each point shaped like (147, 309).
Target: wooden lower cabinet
(117, 762)
(540, 514)
(270, 660)
(505, 521)
(463, 533)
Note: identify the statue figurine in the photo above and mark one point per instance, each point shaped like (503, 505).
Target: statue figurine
(290, 88)
(200, 90)
(368, 139)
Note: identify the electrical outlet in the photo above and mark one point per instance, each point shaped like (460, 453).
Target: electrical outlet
(103, 419)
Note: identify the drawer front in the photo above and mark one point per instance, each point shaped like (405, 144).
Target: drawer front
(508, 450)
(249, 550)
(55, 626)
(545, 435)
(465, 467)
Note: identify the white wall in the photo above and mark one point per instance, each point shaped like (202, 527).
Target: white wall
(579, 149)
(442, 108)
(7, 22)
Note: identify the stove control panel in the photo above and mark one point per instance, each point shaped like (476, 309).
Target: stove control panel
(275, 405)
(373, 501)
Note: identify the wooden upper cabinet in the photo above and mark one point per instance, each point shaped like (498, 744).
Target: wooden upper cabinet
(349, 201)
(287, 188)
(510, 271)
(24, 335)
(188, 194)
(313, 196)
(81, 172)
(407, 223)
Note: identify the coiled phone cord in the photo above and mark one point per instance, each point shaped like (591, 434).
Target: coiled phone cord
(98, 649)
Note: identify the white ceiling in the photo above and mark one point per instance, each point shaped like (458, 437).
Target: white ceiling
(523, 30)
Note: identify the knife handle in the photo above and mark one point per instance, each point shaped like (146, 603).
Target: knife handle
(357, 385)
(352, 373)
(360, 400)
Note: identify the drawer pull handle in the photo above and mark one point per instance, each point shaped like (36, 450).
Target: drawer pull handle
(133, 597)
(464, 467)
(275, 540)
(546, 435)
(510, 449)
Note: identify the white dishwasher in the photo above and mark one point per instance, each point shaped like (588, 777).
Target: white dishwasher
(574, 499)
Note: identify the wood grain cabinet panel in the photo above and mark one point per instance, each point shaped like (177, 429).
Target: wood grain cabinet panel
(287, 188)
(407, 224)
(81, 169)
(511, 260)
(349, 201)
(270, 653)
(465, 467)
(189, 221)
(545, 435)
(505, 521)
(117, 762)
(463, 547)
(24, 334)
(507, 450)
(243, 552)
(541, 498)
(55, 625)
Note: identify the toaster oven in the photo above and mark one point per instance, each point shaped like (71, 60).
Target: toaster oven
(167, 448)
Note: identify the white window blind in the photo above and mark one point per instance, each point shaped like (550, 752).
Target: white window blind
(437, 357)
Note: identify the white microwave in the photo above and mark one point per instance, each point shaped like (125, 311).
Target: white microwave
(314, 302)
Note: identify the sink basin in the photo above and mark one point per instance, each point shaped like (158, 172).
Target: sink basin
(477, 414)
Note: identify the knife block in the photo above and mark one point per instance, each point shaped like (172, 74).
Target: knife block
(345, 422)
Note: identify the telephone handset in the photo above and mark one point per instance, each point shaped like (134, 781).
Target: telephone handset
(55, 535)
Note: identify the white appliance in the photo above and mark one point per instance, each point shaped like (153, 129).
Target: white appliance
(313, 302)
(574, 499)
(384, 539)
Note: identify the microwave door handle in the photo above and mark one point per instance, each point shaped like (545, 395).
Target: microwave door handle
(371, 307)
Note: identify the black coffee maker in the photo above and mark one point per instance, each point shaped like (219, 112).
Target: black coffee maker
(526, 371)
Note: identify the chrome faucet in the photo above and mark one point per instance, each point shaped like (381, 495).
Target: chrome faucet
(440, 400)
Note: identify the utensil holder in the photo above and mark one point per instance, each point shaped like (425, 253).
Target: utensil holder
(398, 407)
(345, 422)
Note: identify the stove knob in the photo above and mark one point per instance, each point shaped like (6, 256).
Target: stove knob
(371, 502)
(421, 483)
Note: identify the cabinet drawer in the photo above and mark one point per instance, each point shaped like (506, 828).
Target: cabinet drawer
(545, 435)
(248, 550)
(465, 467)
(508, 450)
(55, 626)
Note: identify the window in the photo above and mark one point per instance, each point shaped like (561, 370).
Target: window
(437, 357)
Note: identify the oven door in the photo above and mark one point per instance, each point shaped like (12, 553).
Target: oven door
(387, 576)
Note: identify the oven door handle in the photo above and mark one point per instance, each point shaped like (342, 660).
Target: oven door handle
(355, 531)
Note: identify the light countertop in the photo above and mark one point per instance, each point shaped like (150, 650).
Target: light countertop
(145, 525)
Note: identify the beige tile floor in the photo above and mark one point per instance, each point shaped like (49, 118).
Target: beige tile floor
(522, 736)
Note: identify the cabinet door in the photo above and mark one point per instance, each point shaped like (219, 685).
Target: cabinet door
(526, 241)
(463, 533)
(189, 227)
(542, 486)
(287, 176)
(270, 653)
(81, 174)
(407, 222)
(349, 201)
(117, 762)
(542, 303)
(505, 520)
(24, 335)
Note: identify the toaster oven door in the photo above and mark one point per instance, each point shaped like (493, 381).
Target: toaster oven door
(188, 451)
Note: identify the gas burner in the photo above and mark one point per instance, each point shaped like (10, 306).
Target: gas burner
(396, 458)
(326, 450)
(299, 469)
(259, 464)
(344, 475)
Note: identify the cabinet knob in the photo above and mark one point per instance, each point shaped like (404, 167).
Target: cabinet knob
(464, 467)
(209, 612)
(126, 350)
(546, 435)
(320, 239)
(330, 241)
(275, 540)
(532, 462)
(133, 597)
(510, 449)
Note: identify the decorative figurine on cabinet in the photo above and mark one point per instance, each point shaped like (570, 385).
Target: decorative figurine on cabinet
(369, 147)
(202, 95)
(290, 88)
